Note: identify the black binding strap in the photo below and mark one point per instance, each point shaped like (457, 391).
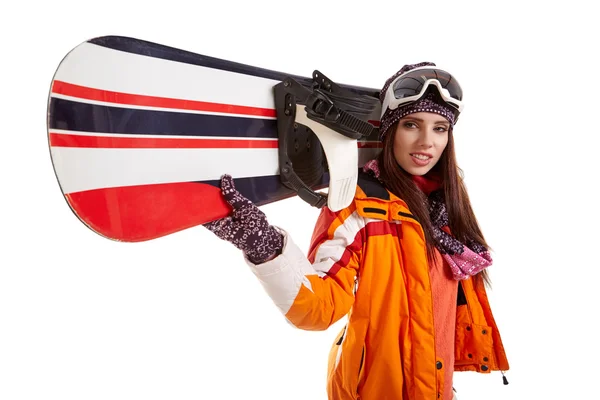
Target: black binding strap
(330, 105)
(328, 110)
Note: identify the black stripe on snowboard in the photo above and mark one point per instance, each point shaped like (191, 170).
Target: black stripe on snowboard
(265, 189)
(76, 116)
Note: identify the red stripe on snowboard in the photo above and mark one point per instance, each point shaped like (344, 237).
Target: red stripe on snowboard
(138, 213)
(84, 92)
(67, 140)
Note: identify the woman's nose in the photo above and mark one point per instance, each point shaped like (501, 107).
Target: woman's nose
(425, 139)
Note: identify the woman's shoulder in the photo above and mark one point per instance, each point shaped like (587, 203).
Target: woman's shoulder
(369, 186)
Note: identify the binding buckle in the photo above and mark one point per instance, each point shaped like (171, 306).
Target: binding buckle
(328, 104)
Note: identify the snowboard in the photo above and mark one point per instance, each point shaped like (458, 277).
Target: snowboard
(140, 134)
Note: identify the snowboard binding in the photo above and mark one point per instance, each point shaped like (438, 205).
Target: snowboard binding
(318, 124)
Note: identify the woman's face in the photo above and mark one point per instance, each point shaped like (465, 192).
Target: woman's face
(420, 141)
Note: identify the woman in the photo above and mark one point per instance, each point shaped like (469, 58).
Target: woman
(406, 261)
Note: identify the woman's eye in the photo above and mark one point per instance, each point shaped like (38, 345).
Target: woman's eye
(409, 124)
(441, 129)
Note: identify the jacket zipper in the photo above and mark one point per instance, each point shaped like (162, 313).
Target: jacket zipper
(360, 367)
(362, 359)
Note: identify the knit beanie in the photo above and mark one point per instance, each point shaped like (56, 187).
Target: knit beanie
(429, 103)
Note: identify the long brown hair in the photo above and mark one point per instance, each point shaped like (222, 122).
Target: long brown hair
(462, 221)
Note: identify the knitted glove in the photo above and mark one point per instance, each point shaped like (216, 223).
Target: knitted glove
(247, 227)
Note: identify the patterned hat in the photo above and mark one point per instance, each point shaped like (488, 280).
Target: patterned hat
(429, 103)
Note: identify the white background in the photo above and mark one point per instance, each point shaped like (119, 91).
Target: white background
(182, 317)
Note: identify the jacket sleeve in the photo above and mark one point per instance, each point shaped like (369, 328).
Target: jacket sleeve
(314, 291)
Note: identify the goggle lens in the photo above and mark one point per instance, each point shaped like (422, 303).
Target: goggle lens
(412, 83)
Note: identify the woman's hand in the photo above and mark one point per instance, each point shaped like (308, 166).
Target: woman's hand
(247, 227)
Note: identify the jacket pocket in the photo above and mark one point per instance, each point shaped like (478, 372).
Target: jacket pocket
(361, 369)
(335, 353)
(346, 368)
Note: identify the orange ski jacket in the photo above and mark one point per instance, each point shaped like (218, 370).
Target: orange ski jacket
(368, 262)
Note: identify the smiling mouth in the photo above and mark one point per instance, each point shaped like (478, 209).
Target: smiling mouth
(421, 156)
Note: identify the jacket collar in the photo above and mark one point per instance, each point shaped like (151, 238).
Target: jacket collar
(373, 200)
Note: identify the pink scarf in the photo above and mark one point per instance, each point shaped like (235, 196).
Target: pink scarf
(464, 259)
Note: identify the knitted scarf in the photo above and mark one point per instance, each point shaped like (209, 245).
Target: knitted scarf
(464, 259)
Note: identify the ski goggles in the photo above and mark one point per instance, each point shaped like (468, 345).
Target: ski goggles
(414, 84)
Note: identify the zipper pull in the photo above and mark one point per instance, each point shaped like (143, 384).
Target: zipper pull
(504, 378)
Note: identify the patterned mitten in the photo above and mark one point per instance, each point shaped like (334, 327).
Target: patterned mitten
(247, 227)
